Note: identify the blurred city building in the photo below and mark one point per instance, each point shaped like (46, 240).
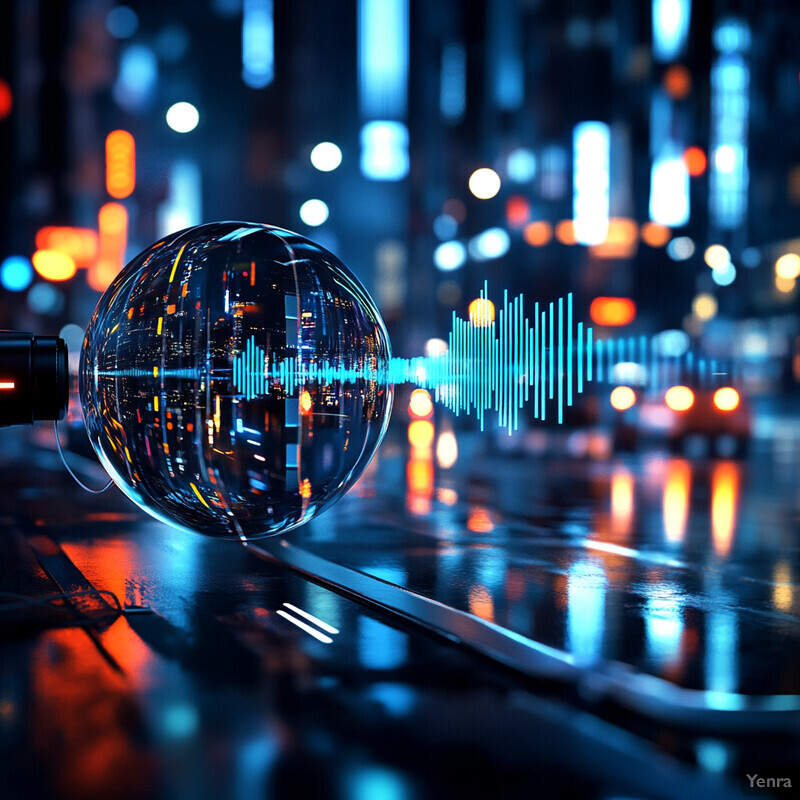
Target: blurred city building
(641, 151)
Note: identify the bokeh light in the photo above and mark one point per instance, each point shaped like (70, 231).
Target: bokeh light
(484, 183)
(521, 165)
(44, 298)
(54, 266)
(724, 275)
(492, 243)
(518, 211)
(122, 22)
(788, 266)
(326, 156)
(677, 82)
(420, 434)
(435, 347)
(445, 227)
(726, 398)
(538, 233)
(622, 398)
(725, 158)
(449, 256)
(6, 99)
(481, 312)
(314, 212)
(456, 209)
(80, 244)
(16, 273)
(679, 398)
(565, 231)
(716, 256)
(680, 248)
(420, 405)
(695, 160)
(182, 117)
(704, 306)
(446, 453)
(612, 311)
(751, 257)
(654, 234)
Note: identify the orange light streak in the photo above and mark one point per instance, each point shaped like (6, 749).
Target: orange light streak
(677, 494)
(112, 223)
(622, 503)
(724, 499)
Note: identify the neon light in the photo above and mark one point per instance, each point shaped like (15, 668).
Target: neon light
(120, 164)
(383, 58)
(669, 189)
(7, 384)
(590, 201)
(670, 28)
(258, 44)
(730, 105)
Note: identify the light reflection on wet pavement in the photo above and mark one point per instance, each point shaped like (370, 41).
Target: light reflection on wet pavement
(683, 569)
(686, 570)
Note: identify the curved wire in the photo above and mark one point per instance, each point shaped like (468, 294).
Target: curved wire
(69, 469)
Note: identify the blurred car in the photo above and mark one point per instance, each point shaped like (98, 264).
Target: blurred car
(715, 421)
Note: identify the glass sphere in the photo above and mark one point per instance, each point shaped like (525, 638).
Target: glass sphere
(234, 379)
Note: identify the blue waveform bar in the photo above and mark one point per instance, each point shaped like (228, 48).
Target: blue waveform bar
(250, 370)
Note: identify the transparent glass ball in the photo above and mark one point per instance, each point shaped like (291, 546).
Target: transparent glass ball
(234, 379)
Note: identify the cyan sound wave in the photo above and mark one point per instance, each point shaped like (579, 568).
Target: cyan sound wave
(534, 356)
(512, 361)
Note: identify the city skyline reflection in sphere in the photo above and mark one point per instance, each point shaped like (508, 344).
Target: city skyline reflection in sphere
(234, 379)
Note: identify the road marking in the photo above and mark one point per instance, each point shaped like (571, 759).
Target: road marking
(311, 618)
(307, 628)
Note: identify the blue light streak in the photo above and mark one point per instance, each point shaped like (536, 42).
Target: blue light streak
(669, 189)
(383, 58)
(258, 44)
(670, 28)
(453, 82)
(730, 105)
(137, 77)
(591, 153)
